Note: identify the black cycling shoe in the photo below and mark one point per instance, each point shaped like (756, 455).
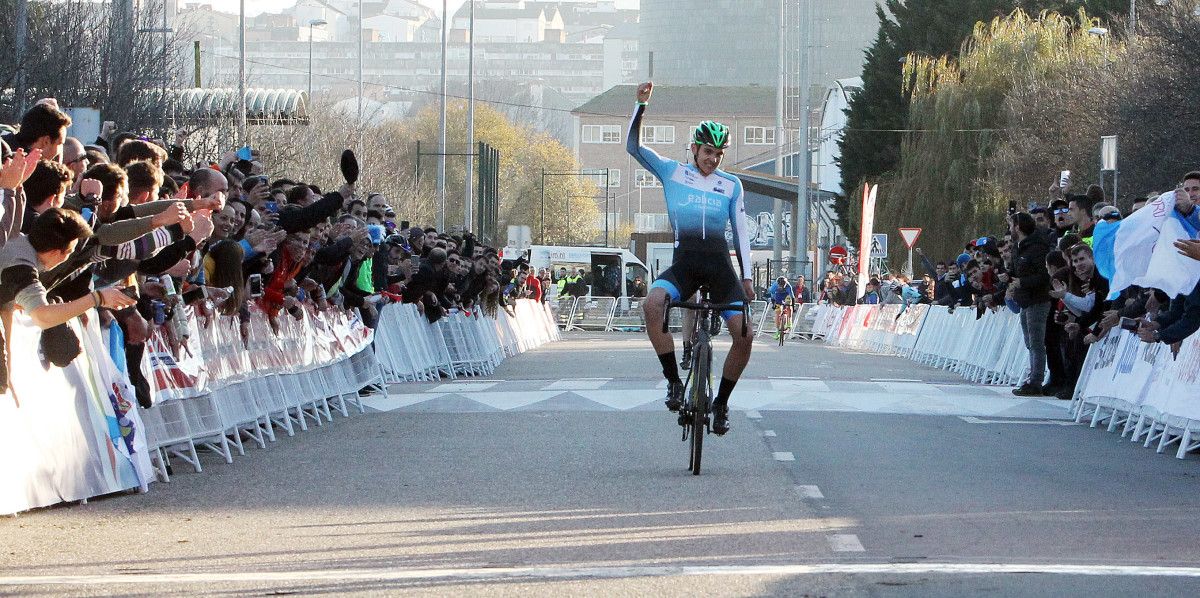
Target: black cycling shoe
(674, 395)
(685, 362)
(720, 420)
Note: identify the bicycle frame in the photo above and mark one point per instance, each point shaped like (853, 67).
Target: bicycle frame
(694, 415)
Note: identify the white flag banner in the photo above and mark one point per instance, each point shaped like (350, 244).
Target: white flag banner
(870, 192)
(1144, 251)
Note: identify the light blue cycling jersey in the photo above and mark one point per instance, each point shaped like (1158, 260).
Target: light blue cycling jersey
(700, 207)
(780, 294)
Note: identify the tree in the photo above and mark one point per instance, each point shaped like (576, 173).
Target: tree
(959, 114)
(1143, 93)
(88, 54)
(878, 113)
(391, 166)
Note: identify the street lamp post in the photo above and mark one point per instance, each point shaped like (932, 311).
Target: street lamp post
(241, 120)
(311, 24)
(470, 182)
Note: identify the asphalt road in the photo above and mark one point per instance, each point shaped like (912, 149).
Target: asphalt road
(846, 474)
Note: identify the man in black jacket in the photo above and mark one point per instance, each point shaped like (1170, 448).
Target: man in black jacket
(1030, 289)
(428, 285)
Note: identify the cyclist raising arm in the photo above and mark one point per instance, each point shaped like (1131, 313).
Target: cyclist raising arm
(702, 202)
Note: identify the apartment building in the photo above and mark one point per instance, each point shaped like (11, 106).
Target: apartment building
(635, 195)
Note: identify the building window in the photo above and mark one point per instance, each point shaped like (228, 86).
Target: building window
(650, 222)
(643, 179)
(601, 134)
(614, 178)
(658, 134)
(759, 136)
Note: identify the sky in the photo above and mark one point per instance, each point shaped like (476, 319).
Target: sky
(254, 7)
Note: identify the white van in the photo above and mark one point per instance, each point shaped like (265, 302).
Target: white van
(612, 269)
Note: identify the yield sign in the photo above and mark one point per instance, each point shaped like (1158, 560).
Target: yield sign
(910, 236)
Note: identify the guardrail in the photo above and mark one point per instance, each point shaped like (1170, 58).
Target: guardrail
(75, 432)
(1142, 390)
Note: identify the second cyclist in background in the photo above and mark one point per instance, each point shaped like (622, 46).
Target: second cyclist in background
(783, 299)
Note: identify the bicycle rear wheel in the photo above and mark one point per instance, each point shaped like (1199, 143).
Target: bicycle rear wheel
(702, 353)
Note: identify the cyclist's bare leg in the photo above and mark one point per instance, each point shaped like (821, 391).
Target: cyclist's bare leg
(735, 362)
(739, 354)
(655, 310)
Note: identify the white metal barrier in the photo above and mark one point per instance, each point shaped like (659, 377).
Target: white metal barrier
(593, 313)
(409, 348)
(1143, 390)
(1136, 388)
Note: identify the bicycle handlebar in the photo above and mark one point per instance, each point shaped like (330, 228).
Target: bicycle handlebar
(721, 307)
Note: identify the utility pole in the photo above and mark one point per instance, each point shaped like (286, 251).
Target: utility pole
(242, 140)
(360, 79)
(441, 163)
(470, 186)
(801, 214)
(780, 91)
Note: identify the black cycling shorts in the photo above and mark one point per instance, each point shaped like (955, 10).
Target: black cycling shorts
(690, 270)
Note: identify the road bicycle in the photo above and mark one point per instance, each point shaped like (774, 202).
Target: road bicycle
(783, 321)
(698, 395)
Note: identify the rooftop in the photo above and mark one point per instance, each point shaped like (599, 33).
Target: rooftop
(687, 100)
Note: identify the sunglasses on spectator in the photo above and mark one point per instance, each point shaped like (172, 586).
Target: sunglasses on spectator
(1111, 216)
(1061, 211)
(83, 159)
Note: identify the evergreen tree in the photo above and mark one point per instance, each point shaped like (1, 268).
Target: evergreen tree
(870, 147)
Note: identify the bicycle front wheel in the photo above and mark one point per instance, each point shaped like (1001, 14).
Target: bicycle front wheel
(699, 399)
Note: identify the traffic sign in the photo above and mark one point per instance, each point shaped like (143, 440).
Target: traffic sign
(910, 236)
(839, 255)
(879, 246)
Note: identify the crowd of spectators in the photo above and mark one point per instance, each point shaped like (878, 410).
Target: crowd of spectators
(150, 236)
(1043, 268)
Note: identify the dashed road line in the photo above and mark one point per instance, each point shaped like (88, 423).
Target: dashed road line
(809, 491)
(845, 543)
(752, 414)
(768, 433)
(784, 456)
(1026, 422)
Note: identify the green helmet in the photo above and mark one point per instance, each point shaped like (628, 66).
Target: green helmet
(711, 132)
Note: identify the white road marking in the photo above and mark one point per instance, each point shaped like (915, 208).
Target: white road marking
(784, 456)
(503, 573)
(578, 384)
(793, 378)
(769, 433)
(894, 380)
(453, 387)
(1026, 422)
(809, 491)
(752, 414)
(845, 543)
